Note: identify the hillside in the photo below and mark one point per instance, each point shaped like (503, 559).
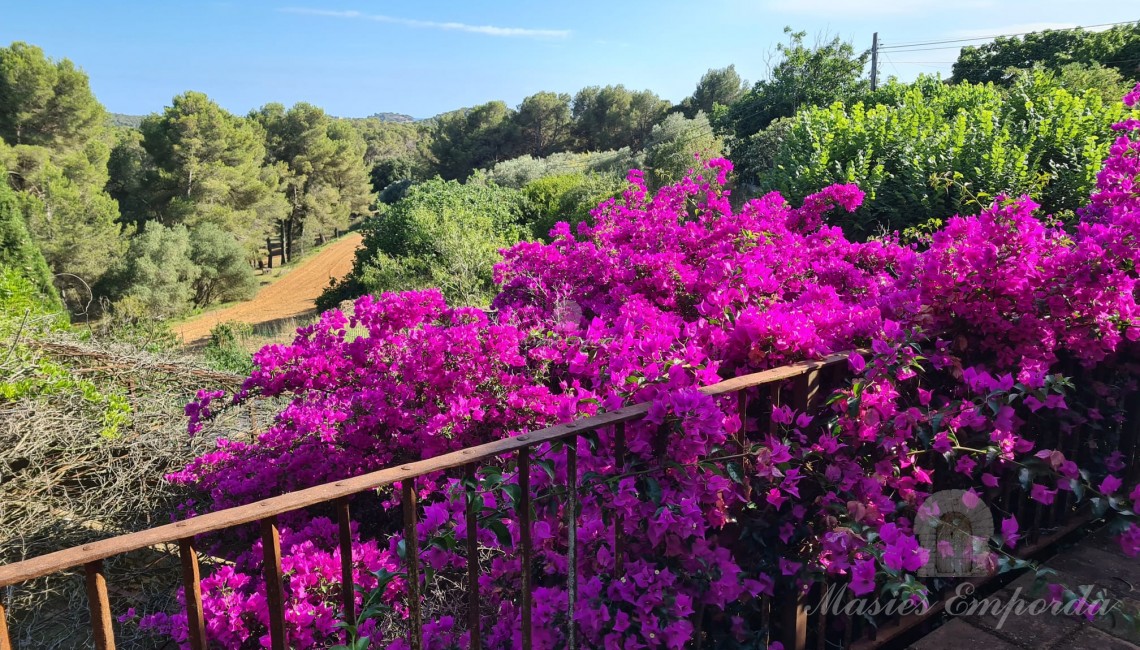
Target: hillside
(393, 117)
(290, 297)
(122, 119)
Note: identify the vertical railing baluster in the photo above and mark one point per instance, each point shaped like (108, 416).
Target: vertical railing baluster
(524, 539)
(795, 623)
(766, 620)
(347, 583)
(1130, 440)
(100, 606)
(571, 541)
(5, 639)
(773, 402)
(412, 556)
(801, 394)
(742, 413)
(192, 594)
(473, 619)
(821, 622)
(619, 525)
(274, 587)
(812, 382)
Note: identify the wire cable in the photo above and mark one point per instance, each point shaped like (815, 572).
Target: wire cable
(987, 38)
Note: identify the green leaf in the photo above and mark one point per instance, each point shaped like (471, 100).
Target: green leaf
(547, 466)
(1100, 506)
(492, 476)
(1078, 489)
(735, 472)
(501, 532)
(653, 490)
(513, 491)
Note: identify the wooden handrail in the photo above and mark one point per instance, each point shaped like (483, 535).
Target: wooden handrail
(266, 511)
(219, 520)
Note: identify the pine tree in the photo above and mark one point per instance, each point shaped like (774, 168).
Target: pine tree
(208, 169)
(321, 165)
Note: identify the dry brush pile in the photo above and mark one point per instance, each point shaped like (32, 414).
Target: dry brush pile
(87, 431)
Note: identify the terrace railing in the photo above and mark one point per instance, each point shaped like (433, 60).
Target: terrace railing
(799, 385)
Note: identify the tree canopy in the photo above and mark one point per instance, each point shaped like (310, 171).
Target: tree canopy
(45, 102)
(543, 123)
(721, 86)
(208, 169)
(613, 117)
(320, 162)
(1117, 47)
(805, 75)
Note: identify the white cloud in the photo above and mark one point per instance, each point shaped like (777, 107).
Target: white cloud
(488, 30)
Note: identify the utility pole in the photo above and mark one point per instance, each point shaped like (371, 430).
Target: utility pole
(875, 61)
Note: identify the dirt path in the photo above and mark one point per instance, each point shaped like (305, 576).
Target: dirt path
(289, 297)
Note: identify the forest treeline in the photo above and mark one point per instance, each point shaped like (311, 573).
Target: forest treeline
(178, 211)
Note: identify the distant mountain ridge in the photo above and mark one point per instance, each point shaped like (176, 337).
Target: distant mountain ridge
(122, 119)
(393, 117)
(133, 121)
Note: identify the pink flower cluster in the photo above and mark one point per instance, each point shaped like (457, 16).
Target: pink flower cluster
(966, 336)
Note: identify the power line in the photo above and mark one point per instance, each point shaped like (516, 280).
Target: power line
(983, 65)
(583, 164)
(929, 49)
(987, 38)
(893, 66)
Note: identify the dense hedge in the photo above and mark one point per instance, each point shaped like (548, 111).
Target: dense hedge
(932, 150)
(440, 234)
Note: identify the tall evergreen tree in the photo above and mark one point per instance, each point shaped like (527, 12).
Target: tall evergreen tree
(45, 102)
(129, 167)
(321, 165)
(543, 123)
(614, 117)
(718, 86)
(208, 169)
(68, 213)
(53, 146)
(18, 251)
(469, 139)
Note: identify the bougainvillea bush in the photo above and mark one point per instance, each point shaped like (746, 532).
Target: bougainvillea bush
(967, 339)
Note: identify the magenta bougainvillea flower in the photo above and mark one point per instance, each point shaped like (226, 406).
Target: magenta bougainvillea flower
(664, 292)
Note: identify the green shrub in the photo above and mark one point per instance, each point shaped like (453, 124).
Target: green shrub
(673, 144)
(442, 234)
(157, 271)
(19, 252)
(23, 303)
(226, 350)
(224, 273)
(520, 171)
(129, 320)
(943, 149)
(567, 197)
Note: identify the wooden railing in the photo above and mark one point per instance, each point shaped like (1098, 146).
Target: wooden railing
(91, 556)
(800, 385)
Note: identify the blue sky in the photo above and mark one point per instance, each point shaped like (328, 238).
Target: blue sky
(354, 58)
